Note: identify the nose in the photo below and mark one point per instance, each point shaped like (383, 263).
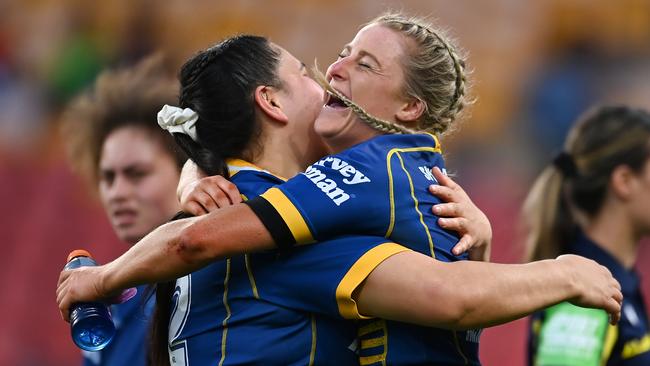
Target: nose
(337, 70)
(120, 189)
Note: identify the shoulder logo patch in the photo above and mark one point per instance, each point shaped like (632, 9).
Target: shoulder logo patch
(427, 174)
(351, 174)
(329, 186)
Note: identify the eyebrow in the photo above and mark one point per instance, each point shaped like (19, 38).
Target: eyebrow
(132, 166)
(363, 53)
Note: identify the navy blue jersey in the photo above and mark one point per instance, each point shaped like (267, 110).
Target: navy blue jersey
(129, 346)
(569, 335)
(274, 308)
(378, 187)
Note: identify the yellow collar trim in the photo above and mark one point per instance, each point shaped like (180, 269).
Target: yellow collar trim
(237, 165)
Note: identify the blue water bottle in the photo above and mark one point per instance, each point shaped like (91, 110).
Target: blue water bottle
(90, 322)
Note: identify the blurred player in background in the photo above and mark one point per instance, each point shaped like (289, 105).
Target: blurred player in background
(593, 201)
(114, 141)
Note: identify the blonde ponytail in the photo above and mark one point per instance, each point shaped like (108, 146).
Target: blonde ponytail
(547, 216)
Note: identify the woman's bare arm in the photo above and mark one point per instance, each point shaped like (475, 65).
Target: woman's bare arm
(170, 251)
(414, 288)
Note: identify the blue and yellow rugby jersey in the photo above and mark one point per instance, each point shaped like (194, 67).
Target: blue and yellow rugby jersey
(568, 335)
(378, 187)
(274, 308)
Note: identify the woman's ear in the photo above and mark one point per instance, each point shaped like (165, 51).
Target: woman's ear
(267, 99)
(622, 182)
(410, 111)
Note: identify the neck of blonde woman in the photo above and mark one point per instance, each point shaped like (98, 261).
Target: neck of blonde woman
(353, 134)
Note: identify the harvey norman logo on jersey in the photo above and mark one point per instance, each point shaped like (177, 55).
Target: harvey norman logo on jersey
(328, 186)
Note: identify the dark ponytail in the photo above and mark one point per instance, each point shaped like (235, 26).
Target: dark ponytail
(600, 141)
(219, 85)
(159, 333)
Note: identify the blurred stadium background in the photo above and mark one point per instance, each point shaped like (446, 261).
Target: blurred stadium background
(537, 65)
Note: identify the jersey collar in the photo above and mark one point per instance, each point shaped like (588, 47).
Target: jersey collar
(237, 165)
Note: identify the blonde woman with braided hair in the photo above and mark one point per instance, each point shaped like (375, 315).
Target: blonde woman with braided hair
(382, 89)
(433, 74)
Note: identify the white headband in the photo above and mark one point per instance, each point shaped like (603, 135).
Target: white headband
(176, 120)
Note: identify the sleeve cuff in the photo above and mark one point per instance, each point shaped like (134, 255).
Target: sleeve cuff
(358, 273)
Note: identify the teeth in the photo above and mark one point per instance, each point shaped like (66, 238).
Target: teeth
(335, 101)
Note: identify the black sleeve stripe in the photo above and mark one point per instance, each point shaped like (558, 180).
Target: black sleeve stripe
(273, 222)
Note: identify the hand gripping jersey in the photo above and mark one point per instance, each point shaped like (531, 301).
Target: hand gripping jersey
(570, 336)
(378, 187)
(273, 308)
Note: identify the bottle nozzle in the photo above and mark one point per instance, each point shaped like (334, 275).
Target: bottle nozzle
(78, 253)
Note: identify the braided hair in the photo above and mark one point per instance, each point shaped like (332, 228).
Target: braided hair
(374, 122)
(434, 71)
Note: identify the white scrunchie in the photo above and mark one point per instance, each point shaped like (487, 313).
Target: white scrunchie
(176, 120)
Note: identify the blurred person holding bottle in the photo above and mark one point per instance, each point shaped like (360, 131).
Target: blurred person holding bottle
(113, 139)
(593, 201)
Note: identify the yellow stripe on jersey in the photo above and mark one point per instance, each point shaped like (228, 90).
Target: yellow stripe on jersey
(437, 142)
(358, 273)
(247, 261)
(369, 328)
(417, 209)
(251, 278)
(369, 360)
(312, 353)
(636, 347)
(536, 326)
(610, 340)
(377, 325)
(290, 215)
(228, 313)
(373, 342)
(391, 195)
